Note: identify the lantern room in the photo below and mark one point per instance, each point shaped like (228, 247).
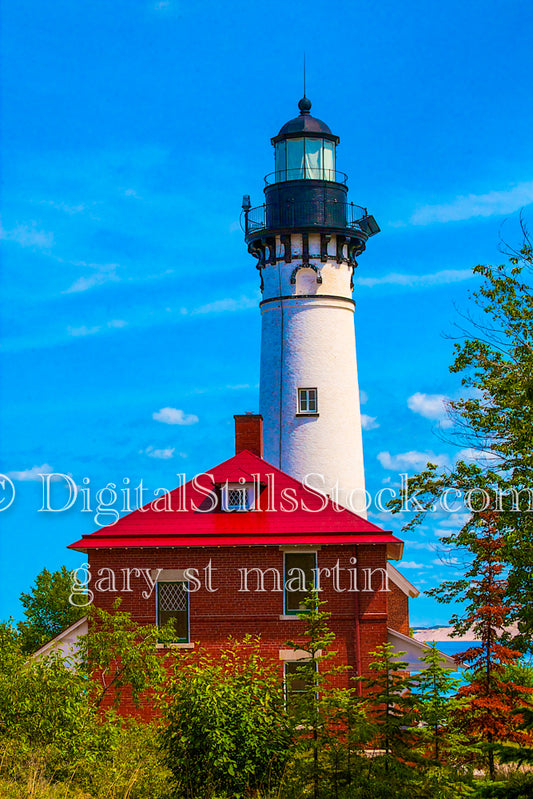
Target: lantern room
(305, 148)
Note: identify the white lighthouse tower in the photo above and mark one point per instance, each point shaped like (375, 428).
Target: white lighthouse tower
(306, 238)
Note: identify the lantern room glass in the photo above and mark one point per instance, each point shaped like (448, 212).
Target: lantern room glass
(305, 159)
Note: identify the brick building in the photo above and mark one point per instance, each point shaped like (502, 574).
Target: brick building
(236, 550)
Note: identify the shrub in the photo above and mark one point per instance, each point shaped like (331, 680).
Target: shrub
(228, 733)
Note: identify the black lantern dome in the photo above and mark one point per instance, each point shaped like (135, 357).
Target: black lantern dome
(305, 124)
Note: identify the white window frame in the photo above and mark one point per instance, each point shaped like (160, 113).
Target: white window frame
(305, 398)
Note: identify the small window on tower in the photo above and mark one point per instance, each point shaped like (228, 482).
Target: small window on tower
(308, 401)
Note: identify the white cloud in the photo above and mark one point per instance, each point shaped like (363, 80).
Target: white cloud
(446, 560)
(478, 456)
(411, 460)
(421, 545)
(228, 304)
(161, 454)
(410, 564)
(417, 281)
(430, 406)
(83, 330)
(454, 519)
(33, 473)
(174, 416)
(68, 209)
(363, 397)
(91, 331)
(104, 273)
(494, 203)
(368, 422)
(28, 236)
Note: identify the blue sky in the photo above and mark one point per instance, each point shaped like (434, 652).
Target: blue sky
(131, 131)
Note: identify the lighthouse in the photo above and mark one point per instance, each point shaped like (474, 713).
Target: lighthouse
(306, 238)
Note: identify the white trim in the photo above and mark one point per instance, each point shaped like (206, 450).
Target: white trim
(64, 637)
(401, 582)
(414, 649)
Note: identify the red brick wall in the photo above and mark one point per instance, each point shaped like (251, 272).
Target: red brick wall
(398, 610)
(359, 619)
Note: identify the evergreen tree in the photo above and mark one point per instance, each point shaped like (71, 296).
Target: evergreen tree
(330, 722)
(488, 711)
(390, 705)
(434, 697)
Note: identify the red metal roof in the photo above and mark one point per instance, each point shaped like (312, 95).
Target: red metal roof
(271, 524)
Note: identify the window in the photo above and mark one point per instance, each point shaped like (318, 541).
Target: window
(308, 400)
(173, 604)
(300, 688)
(299, 579)
(281, 160)
(295, 159)
(237, 497)
(310, 158)
(329, 160)
(313, 159)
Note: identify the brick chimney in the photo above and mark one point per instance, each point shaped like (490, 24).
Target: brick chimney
(249, 433)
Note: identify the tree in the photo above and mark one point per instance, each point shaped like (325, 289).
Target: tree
(494, 421)
(47, 609)
(390, 705)
(52, 725)
(331, 723)
(121, 657)
(435, 702)
(488, 713)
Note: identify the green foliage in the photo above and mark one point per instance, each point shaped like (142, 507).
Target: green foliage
(331, 723)
(517, 786)
(42, 701)
(390, 704)
(519, 673)
(441, 782)
(52, 733)
(121, 656)
(47, 609)
(496, 418)
(227, 732)
(435, 704)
